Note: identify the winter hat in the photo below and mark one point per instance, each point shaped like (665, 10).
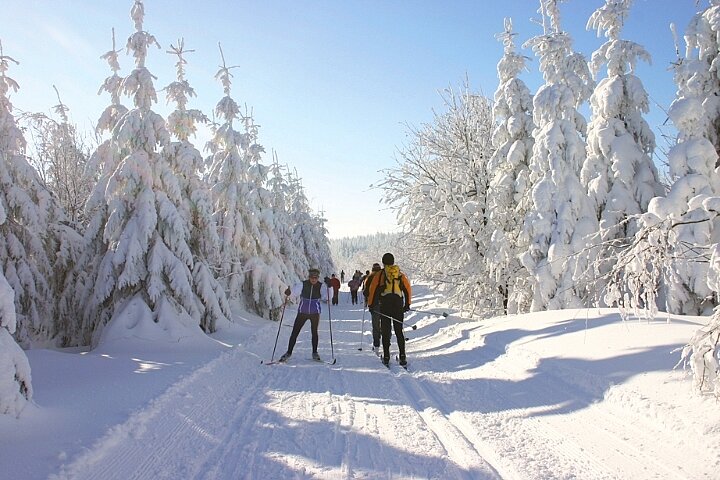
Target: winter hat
(314, 272)
(376, 267)
(388, 259)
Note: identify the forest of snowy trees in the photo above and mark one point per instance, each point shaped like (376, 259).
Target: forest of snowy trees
(519, 203)
(510, 204)
(143, 227)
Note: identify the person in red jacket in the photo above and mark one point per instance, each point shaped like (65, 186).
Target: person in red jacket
(335, 284)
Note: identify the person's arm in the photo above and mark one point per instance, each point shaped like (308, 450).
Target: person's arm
(373, 287)
(295, 290)
(408, 291)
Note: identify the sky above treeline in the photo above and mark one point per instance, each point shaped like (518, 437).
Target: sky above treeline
(334, 85)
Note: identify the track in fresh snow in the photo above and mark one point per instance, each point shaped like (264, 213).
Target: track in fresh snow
(237, 419)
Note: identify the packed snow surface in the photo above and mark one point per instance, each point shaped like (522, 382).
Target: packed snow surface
(552, 395)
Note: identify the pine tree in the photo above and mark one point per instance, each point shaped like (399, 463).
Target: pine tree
(562, 220)
(15, 378)
(693, 169)
(268, 273)
(26, 209)
(508, 194)
(147, 256)
(195, 202)
(618, 172)
(80, 298)
(280, 191)
(229, 186)
(309, 232)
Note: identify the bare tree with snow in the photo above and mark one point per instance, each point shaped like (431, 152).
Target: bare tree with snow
(439, 191)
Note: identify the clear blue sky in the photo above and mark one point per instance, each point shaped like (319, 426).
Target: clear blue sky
(333, 83)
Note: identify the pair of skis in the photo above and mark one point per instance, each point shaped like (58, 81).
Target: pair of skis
(275, 362)
(397, 360)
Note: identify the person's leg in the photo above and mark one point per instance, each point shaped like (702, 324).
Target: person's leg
(395, 309)
(385, 332)
(314, 324)
(297, 327)
(376, 329)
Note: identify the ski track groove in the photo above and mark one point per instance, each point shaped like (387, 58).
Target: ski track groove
(465, 456)
(258, 425)
(170, 424)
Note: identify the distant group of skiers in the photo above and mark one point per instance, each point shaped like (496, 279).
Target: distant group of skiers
(387, 294)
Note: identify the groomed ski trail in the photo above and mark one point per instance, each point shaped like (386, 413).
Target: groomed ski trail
(465, 411)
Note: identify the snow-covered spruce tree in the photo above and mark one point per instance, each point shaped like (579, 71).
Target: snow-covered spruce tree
(439, 191)
(79, 299)
(309, 231)
(27, 246)
(267, 272)
(693, 168)
(293, 256)
(673, 260)
(15, 378)
(618, 172)
(196, 203)
(148, 261)
(508, 194)
(562, 220)
(240, 212)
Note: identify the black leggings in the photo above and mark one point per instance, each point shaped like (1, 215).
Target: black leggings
(392, 306)
(299, 324)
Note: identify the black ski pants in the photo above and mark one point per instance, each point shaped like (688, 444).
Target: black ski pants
(299, 324)
(376, 328)
(392, 306)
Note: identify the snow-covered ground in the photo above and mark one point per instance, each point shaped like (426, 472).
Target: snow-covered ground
(563, 394)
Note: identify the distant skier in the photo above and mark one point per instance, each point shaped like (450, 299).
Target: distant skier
(354, 285)
(342, 276)
(387, 289)
(335, 284)
(311, 294)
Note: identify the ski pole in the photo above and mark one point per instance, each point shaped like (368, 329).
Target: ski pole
(362, 334)
(278, 334)
(444, 314)
(332, 348)
(414, 327)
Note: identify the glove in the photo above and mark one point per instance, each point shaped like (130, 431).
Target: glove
(288, 292)
(406, 308)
